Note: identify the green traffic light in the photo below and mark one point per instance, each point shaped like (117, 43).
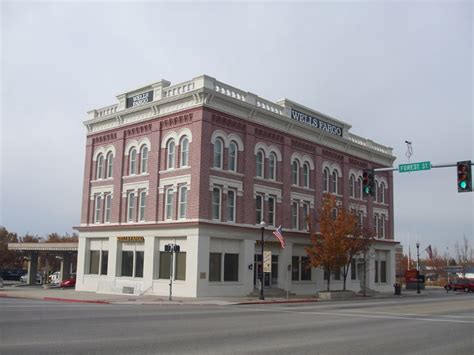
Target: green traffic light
(366, 189)
(463, 184)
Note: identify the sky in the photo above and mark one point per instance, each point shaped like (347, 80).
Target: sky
(394, 70)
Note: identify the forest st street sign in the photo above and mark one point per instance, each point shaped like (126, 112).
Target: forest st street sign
(406, 168)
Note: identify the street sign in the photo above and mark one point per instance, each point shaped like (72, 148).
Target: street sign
(407, 168)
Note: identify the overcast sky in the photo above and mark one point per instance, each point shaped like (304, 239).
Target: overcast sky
(395, 71)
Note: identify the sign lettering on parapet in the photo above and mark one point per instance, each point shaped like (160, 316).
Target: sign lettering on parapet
(139, 99)
(131, 239)
(316, 122)
(406, 168)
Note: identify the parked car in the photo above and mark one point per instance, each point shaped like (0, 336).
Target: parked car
(55, 278)
(466, 285)
(71, 282)
(39, 278)
(12, 274)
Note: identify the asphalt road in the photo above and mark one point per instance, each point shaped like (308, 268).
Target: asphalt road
(441, 324)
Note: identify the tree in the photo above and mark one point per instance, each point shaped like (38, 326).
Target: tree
(464, 254)
(337, 241)
(8, 258)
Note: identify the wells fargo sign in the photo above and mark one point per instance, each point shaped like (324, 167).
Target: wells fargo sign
(131, 239)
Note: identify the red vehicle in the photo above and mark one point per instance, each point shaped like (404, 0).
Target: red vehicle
(71, 282)
(466, 285)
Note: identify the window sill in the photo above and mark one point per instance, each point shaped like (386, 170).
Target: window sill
(258, 178)
(226, 171)
(135, 175)
(100, 180)
(169, 171)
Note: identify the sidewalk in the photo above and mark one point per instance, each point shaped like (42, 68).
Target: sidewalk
(71, 295)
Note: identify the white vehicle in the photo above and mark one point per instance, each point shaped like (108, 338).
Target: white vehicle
(39, 278)
(55, 278)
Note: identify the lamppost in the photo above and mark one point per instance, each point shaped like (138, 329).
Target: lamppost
(262, 280)
(417, 267)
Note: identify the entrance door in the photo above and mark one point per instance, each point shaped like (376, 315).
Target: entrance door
(270, 278)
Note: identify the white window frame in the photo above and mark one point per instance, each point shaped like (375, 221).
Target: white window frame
(352, 186)
(271, 210)
(110, 165)
(170, 154)
(183, 203)
(272, 164)
(306, 209)
(133, 161)
(233, 154)
(231, 207)
(217, 190)
(260, 164)
(169, 201)
(99, 167)
(382, 193)
(293, 224)
(107, 208)
(131, 200)
(295, 174)
(97, 208)
(326, 178)
(259, 209)
(144, 159)
(335, 182)
(218, 152)
(306, 175)
(184, 147)
(142, 206)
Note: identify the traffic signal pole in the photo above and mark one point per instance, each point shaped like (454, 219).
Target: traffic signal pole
(433, 166)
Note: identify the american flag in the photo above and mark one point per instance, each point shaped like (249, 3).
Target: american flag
(429, 251)
(278, 233)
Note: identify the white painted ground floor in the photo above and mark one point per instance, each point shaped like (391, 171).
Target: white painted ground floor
(213, 261)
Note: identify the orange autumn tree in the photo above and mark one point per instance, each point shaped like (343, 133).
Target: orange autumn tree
(337, 241)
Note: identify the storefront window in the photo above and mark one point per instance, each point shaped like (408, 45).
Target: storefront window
(127, 263)
(94, 262)
(305, 269)
(139, 264)
(295, 268)
(231, 267)
(353, 269)
(104, 262)
(180, 266)
(165, 260)
(214, 267)
(383, 271)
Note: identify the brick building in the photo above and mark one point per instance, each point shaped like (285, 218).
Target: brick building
(201, 164)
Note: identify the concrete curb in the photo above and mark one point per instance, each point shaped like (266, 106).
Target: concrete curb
(277, 302)
(74, 300)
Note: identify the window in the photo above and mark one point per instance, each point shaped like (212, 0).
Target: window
(216, 203)
(271, 211)
(132, 263)
(259, 164)
(94, 257)
(295, 169)
(231, 267)
(359, 188)
(144, 160)
(381, 227)
(295, 268)
(305, 269)
(104, 262)
(110, 165)
(306, 175)
(169, 203)
(218, 147)
(326, 274)
(294, 215)
(170, 148)
(376, 191)
(353, 269)
(180, 267)
(133, 162)
(326, 180)
(142, 205)
(100, 166)
(334, 181)
(306, 215)
(231, 206)
(376, 271)
(165, 261)
(272, 163)
(131, 206)
(360, 219)
(183, 201)
(97, 205)
(214, 267)
(127, 263)
(382, 193)
(184, 152)
(352, 188)
(337, 274)
(233, 156)
(259, 208)
(108, 208)
(376, 224)
(383, 271)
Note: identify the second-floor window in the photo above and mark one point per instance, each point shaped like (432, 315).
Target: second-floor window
(169, 203)
(108, 208)
(259, 208)
(98, 203)
(305, 215)
(271, 211)
(131, 206)
(141, 214)
(216, 203)
(294, 215)
(183, 201)
(231, 206)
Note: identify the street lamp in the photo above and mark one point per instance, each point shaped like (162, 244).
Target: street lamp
(262, 225)
(417, 267)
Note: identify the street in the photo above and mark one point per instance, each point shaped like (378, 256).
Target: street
(436, 324)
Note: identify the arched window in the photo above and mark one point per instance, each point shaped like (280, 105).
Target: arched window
(326, 180)
(133, 161)
(100, 166)
(376, 191)
(144, 160)
(359, 188)
(218, 147)
(184, 151)
(295, 172)
(170, 148)
(382, 193)
(306, 175)
(352, 187)
(232, 156)
(110, 166)
(334, 181)
(259, 164)
(272, 162)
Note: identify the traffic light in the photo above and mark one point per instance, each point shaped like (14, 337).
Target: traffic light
(368, 183)
(464, 176)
